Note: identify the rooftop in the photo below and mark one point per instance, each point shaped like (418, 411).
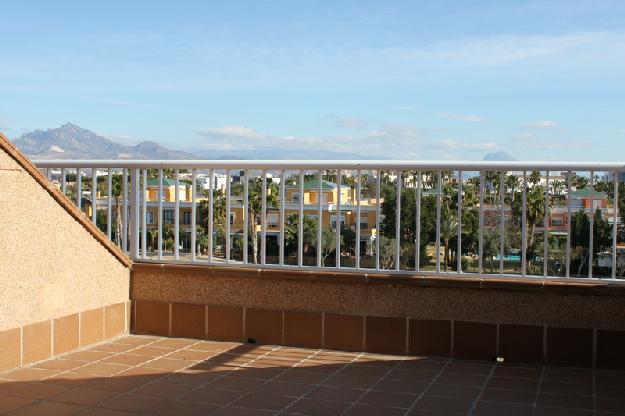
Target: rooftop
(175, 376)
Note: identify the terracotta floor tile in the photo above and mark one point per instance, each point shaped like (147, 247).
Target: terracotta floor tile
(178, 408)
(257, 373)
(151, 351)
(163, 389)
(526, 384)
(100, 369)
(212, 346)
(568, 401)
(443, 404)
(89, 356)
(126, 359)
(83, 396)
(483, 408)
(468, 368)
(116, 384)
(9, 403)
(365, 410)
(560, 411)
(464, 379)
(167, 364)
(39, 391)
(387, 399)
(192, 355)
(318, 407)
(47, 409)
(401, 386)
(517, 372)
(338, 394)
(96, 411)
(510, 396)
(191, 377)
(350, 381)
(29, 374)
(212, 395)
(132, 403)
(7, 386)
(295, 375)
(137, 340)
(59, 365)
(174, 343)
(264, 401)
(71, 379)
(454, 390)
(363, 371)
(111, 348)
(284, 388)
(236, 383)
(242, 411)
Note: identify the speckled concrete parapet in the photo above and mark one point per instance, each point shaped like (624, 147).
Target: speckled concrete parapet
(51, 265)
(583, 305)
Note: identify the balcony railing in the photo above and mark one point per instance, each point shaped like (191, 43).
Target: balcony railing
(510, 219)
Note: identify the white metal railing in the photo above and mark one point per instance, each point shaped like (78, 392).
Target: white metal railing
(439, 218)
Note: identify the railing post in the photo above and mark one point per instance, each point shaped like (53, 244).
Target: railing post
(134, 214)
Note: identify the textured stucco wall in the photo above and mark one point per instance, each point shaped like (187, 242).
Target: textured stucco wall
(50, 266)
(270, 291)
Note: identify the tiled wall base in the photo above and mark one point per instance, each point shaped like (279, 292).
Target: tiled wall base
(387, 335)
(43, 340)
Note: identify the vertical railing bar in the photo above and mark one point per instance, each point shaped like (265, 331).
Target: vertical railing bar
(438, 222)
(300, 226)
(319, 214)
(63, 181)
(568, 223)
(125, 207)
(177, 216)
(480, 260)
(282, 216)
(246, 213)
(194, 215)
(211, 203)
(109, 204)
(228, 213)
(338, 218)
(614, 224)
(136, 213)
(546, 228)
(502, 220)
(94, 199)
(144, 215)
(78, 184)
(398, 220)
(263, 221)
(459, 236)
(160, 213)
(377, 220)
(591, 239)
(524, 227)
(357, 248)
(418, 223)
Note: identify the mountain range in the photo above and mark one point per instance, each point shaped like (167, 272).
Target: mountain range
(73, 142)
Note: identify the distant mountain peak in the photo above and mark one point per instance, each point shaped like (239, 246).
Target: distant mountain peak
(71, 141)
(499, 156)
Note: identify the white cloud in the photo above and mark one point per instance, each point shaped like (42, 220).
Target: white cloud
(56, 149)
(620, 130)
(473, 118)
(233, 131)
(542, 124)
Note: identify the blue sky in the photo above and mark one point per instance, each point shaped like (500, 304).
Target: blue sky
(543, 80)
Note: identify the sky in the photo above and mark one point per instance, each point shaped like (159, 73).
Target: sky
(541, 80)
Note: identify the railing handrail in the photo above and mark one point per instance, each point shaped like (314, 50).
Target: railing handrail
(463, 165)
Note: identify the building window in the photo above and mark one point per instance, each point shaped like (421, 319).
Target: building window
(168, 216)
(186, 217)
(333, 220)
(232, 218)
(295, 196)
(149, 217)
(272, 220)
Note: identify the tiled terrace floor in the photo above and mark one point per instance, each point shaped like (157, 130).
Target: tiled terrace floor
(168, 376)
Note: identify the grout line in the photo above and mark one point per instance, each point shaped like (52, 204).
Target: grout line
(540, 384)
(317, 385)
(432, 382)
(477, 399)
(370, 388)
